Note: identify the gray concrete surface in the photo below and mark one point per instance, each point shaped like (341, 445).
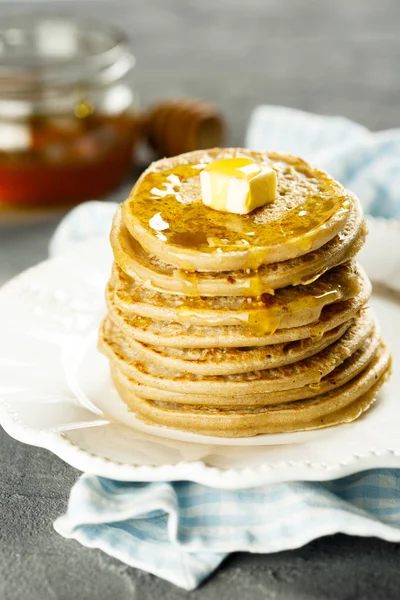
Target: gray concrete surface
(331, 57)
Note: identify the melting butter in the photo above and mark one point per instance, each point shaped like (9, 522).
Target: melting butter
(237, 185)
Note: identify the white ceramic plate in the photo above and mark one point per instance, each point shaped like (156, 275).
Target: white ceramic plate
(55, 390)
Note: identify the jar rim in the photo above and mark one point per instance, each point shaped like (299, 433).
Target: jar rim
(60, 50)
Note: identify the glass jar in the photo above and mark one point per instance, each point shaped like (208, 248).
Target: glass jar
(68, 118)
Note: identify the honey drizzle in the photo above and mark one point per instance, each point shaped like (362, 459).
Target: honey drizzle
(260, 318)
(189, 281)
(191, 224)
(315, 386)
(262, 314)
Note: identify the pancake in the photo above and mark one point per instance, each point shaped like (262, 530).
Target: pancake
(161, 276)
(342, 405)
(225, 361)
(346, 371)
(292, 306)
(295, 375)
(238, 325)
(164, 213)
(183, 335)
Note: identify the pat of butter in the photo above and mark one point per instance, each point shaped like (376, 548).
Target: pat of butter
(237, 185)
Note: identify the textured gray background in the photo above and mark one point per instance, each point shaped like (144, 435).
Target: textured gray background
(338, 57)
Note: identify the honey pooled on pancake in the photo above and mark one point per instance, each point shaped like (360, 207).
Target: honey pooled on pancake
(165, 211)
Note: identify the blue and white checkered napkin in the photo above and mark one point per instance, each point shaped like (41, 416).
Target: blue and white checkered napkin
(182, 531)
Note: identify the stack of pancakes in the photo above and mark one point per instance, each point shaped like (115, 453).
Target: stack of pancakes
(231, 325)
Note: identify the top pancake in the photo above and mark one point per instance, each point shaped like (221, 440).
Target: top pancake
(165, 214)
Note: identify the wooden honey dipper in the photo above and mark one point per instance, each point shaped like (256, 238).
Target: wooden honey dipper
(175, 126)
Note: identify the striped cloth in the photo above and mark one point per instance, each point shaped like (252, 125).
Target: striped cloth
(182, 531)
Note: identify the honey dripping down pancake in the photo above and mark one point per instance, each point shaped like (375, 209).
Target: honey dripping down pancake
(164, 213)
(161, 276)
(241, 324)
(185, 335)
(289, 307)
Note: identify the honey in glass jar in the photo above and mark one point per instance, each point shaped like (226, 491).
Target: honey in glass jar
(68, 114)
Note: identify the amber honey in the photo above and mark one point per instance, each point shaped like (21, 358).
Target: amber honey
(68, 123)
(67, 160)
(173, 197)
